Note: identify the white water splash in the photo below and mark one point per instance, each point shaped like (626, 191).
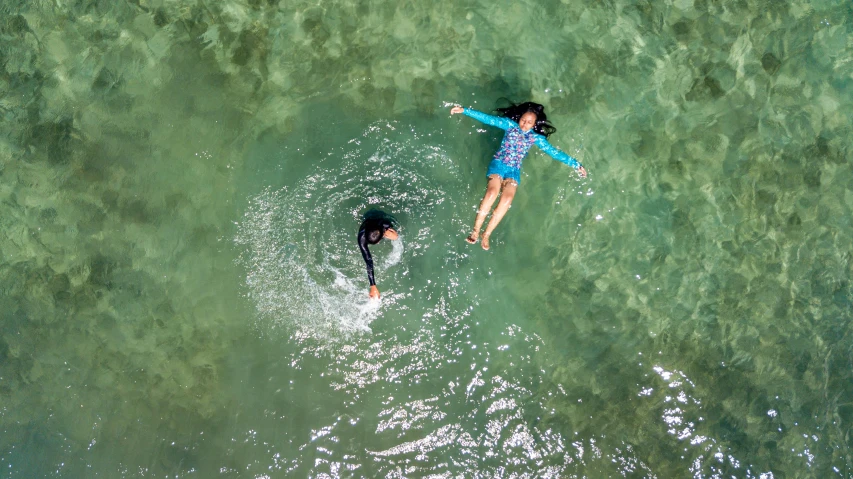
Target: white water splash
(303, 267)
(285, 281)
(396, 253)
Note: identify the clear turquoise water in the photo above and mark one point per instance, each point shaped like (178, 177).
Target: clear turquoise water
(182, 296)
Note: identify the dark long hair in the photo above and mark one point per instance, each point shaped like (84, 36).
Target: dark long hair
(515, 112)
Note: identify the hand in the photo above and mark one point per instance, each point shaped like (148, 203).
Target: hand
(456, 109)
(374, 292)
(582, 171)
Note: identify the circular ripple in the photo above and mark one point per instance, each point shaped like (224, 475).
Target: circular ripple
(303, 265)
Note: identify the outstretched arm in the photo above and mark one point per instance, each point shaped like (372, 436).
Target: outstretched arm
(498, 121)
(558, 155)
(365, 253)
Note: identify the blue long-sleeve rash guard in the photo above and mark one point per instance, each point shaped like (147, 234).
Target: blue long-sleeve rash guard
(516, 143)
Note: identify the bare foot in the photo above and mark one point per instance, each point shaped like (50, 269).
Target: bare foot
(374, 292)
(485, 242)
(472, 238)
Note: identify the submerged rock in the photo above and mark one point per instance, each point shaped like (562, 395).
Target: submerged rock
(54, 138)
(811, 177)
(770, 63)
(59, 285)
(100, 270)
(47, 215)
(160, 18)
(15, 25)
(822, 150)
(682, 29)
(704, 89)
(105, 81)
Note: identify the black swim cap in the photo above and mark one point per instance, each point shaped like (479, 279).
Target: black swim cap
(374, 236)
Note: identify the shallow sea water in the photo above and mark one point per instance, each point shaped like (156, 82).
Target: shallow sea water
(181, 183)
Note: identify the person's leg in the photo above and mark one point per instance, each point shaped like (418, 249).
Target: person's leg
(507, 194)
(492, 191)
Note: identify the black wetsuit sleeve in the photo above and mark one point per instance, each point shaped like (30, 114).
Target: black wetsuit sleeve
(365, 253)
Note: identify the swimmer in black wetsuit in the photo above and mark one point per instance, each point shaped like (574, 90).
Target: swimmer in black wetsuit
(376, 225)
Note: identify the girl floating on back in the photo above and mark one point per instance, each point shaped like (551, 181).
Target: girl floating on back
(525, 125)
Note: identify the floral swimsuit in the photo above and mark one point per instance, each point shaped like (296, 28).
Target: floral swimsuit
(515, 145)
